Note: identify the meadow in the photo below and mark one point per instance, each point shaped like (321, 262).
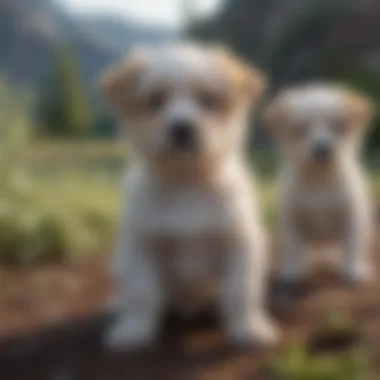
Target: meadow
(61, 205)
(59, 199)
(62, 199)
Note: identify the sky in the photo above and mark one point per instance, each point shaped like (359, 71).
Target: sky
(159, 12)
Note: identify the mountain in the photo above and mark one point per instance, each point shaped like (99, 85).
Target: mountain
(293, 40)
(31, 31)
(116, 34)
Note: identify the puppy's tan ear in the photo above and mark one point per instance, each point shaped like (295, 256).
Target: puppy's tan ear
(361, 109)
(117, 82)
(250, 81)
(256, 83)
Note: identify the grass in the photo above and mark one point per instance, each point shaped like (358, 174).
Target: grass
(336, 351)
(63, 203)
(63, 219)
(65, 206)
(58, 201)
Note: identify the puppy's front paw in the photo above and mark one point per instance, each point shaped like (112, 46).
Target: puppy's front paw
(129, 334)
(256, 331)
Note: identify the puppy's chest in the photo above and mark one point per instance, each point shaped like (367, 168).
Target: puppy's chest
(185, 213)
(320, 213)
(191, 261)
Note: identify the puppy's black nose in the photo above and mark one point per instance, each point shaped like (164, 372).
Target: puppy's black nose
(322, 152)
(182, 135)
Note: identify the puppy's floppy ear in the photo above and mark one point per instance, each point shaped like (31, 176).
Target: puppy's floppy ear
(251, 82)
(118, 81)
(256, 82)
(361, 109)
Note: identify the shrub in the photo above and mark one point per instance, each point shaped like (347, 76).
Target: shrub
(64, 108)
(335, 352)
(46, 217)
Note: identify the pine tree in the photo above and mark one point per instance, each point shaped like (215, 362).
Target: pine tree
(64, 109)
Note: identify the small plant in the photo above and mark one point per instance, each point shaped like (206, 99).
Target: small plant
(335, 352)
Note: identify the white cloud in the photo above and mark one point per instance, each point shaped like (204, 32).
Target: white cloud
(167, 12)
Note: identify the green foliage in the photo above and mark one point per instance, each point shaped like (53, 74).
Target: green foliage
(105, 127)
(297, 364)
(57, 220)
(46, 217)
(15, 132)
(64, 109)
(58, 199)
(335, 352)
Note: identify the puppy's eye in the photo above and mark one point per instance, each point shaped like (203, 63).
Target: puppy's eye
(209, 101)
(156, 101)
(339, 127)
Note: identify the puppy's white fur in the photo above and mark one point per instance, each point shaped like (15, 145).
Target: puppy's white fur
(323, 202)
(191, 232)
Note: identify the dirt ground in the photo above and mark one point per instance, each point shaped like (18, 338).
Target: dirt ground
(52, 320)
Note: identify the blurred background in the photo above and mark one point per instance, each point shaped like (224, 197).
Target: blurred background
(61, 158)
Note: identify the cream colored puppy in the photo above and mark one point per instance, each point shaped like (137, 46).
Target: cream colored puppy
(191, 232)
(324, 197)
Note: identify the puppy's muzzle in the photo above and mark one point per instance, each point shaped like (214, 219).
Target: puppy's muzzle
(322, 153)
(182, 136)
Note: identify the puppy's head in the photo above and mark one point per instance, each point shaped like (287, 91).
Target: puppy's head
(183, 103)
(319, 124)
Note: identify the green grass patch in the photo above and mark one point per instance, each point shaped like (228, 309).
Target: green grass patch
(57, 220)
(60, 200)
(68, 204)
(57, 199)
(337, 350)
(65, 205)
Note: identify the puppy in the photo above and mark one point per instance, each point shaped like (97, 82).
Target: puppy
(323, 194)
(191, 232)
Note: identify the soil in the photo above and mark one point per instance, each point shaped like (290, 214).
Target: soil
(52, 320)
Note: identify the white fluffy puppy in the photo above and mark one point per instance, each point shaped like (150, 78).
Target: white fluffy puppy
(324, 198)
(191, 230)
